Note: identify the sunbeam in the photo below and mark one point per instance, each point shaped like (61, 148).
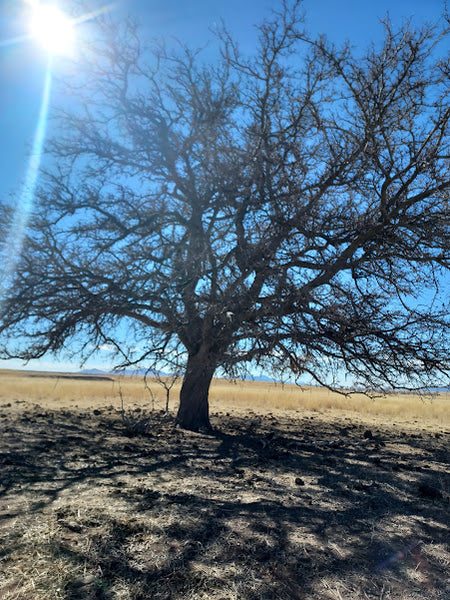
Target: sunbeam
(14, 241)
(106, 8)
(52, 28)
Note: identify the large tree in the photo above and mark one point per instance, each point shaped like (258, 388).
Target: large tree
(290, 208)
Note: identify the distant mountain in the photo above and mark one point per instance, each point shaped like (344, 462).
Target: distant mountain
(155, 373)
(94, 372)
(261, 378)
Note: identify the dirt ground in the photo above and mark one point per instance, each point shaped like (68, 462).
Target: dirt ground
(296, 505)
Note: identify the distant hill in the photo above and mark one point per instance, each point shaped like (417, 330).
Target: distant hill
(263, 378)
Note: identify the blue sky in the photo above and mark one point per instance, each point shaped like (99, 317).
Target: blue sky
(23, 64)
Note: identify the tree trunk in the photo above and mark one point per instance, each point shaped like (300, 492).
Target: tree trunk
(193, 412)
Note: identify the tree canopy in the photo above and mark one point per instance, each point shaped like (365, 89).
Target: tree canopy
(289, 209)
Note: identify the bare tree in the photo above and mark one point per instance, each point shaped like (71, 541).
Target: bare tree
(291, 209)
(173, 361)
(167, 382)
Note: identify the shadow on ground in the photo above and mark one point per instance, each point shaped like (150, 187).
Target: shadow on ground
(268, 508)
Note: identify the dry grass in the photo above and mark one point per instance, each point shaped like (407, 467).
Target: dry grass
(267, 396)
(291, 500)
(62, 391)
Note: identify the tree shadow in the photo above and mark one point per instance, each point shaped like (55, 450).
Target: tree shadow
(259, 510)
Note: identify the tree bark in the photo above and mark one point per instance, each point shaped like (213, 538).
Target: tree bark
(193, 412)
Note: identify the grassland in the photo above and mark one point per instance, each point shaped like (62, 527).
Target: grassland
(79, 391)
(301, 494)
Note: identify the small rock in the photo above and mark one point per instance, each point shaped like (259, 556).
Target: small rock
(83, 581)
(368, 435)
(299, 481)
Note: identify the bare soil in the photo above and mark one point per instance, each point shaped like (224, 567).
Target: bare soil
(272, 506)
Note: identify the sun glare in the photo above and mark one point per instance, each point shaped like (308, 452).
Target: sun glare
(52, 28)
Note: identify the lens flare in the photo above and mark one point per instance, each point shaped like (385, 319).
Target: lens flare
(14, 242)
(52, 27)
(56, 31)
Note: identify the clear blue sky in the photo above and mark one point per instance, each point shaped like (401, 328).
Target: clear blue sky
(22, 64)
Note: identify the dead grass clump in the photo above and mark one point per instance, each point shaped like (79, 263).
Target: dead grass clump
(37, 567)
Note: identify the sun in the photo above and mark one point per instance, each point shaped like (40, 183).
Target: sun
(52, 28)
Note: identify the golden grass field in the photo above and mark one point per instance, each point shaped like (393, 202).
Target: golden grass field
(299, 494)
(62, 390)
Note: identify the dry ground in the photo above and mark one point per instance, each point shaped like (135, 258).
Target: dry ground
(279, 504)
